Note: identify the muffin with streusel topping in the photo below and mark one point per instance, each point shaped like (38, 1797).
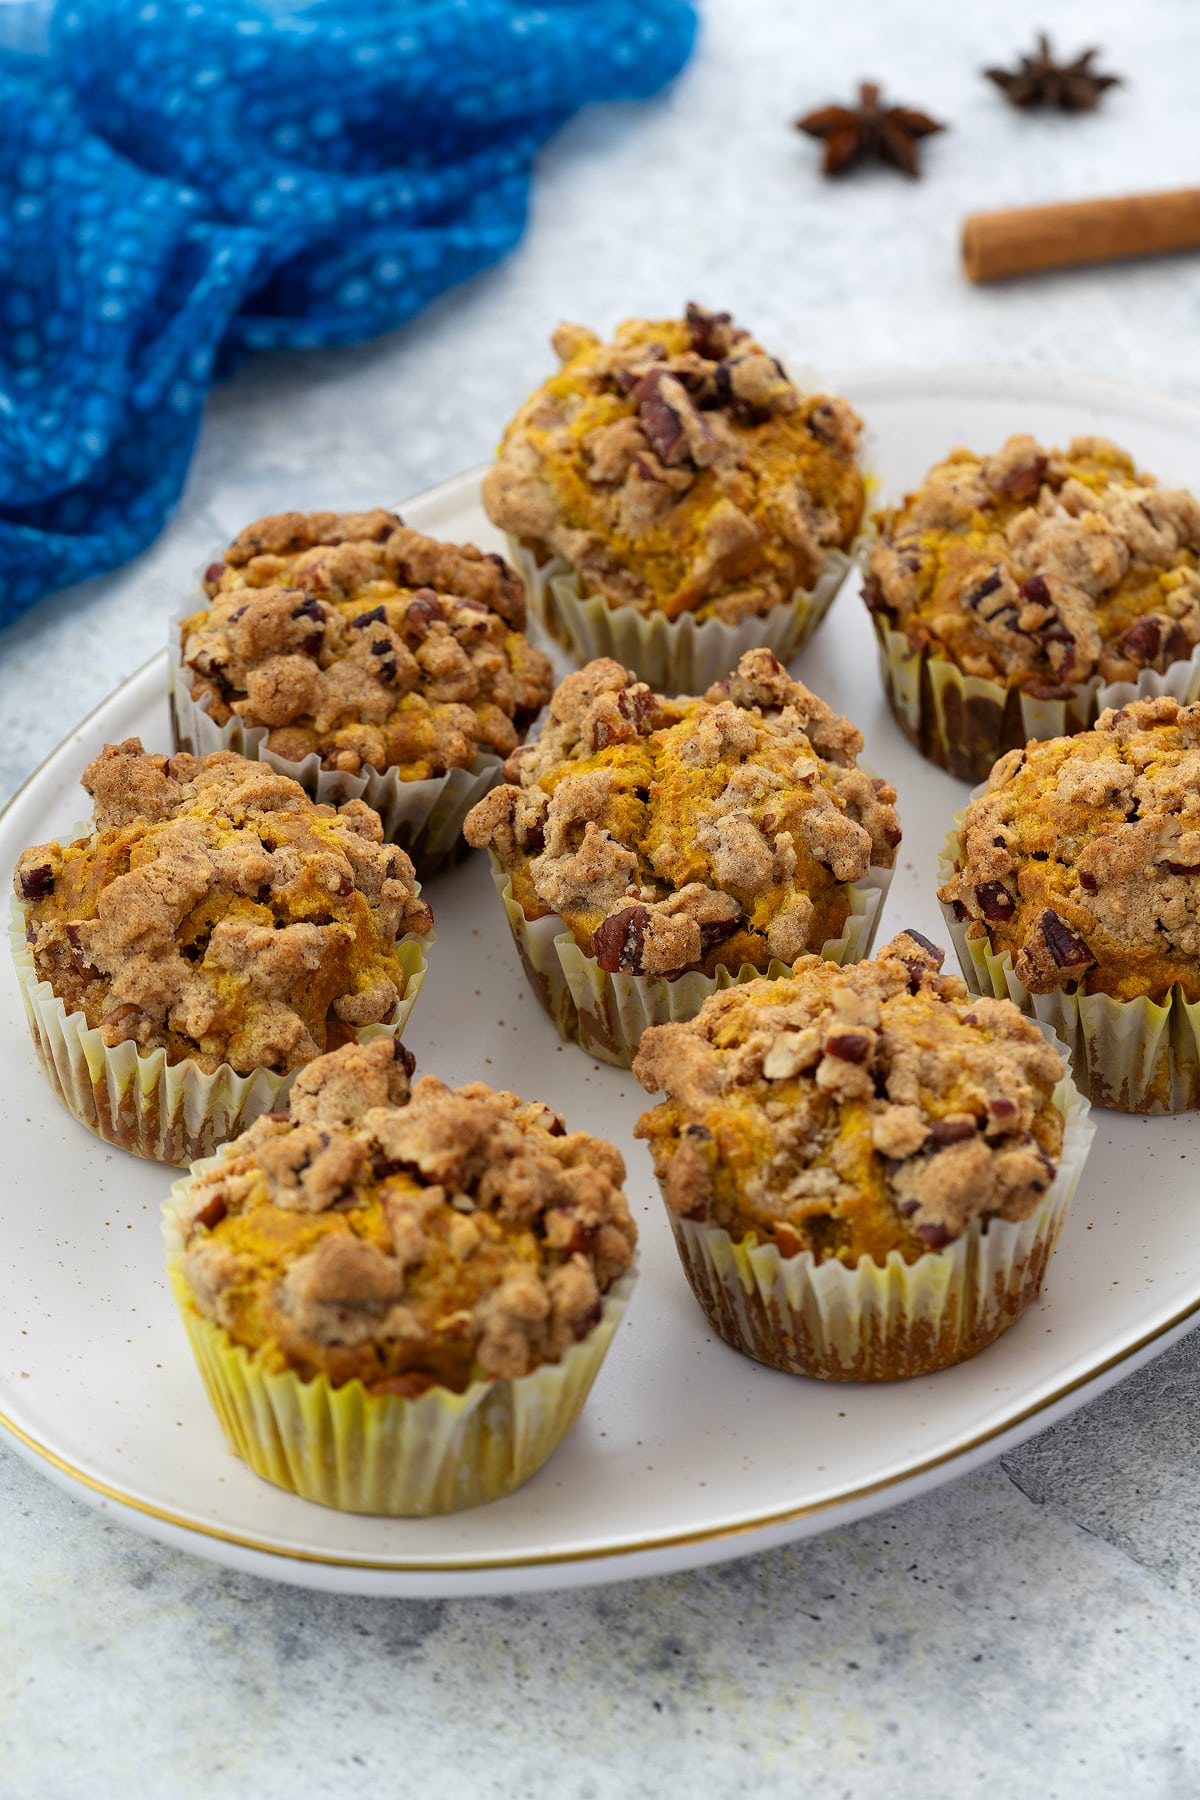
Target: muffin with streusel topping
(649, 849)
(399, 1296)
(214, 931)
(1072, 882)
(363, 659)
(673, 498)
(1012, 591)
(865, 1169)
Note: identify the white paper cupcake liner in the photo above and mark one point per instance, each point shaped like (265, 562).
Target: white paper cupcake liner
(424, 817)
(136, 1099)
(965, 723)
(883, 1322)
(607, 1014)
(675, 656)
(1136, 1056)
(379, 1453)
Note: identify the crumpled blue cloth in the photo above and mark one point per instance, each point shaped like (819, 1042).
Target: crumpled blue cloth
(182, 183)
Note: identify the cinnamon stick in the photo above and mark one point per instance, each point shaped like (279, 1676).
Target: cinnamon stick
(1031, 238)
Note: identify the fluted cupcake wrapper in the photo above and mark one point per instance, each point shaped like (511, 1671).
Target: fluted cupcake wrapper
(379, 1453)
(675, 656)
(607, 1014)
(883, 1322)
(424, 817)
(1136, 1056)
(964, 723)
(136, 1099)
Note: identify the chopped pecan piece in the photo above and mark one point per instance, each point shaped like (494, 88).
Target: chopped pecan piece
(661, 422)
(712, 334)
(1068, 950)
(995, 902)
(955, 1128)
(213, 1212)
(619, 940)
(36, 882)
(423, 609)
(1153, 637)
(975, 595)
(637, 704)
(674, 429)
(1022, 483)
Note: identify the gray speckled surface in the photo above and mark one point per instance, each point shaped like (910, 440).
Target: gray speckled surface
(1032, 1628)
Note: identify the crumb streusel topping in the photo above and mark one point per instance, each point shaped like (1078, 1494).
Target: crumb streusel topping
(851, 1112)
(689, 833)
(679, 469)
(1042, 568)
(1082, 856)
(215, 911)
(359, 639)
(407, 1238)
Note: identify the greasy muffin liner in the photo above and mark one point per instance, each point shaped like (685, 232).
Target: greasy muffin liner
(379, 1453)
(964, 723)
(169, 1112)
(607, 1014)
(675, 656)
(424, 817)
(1136, 1056)
(889, 1322)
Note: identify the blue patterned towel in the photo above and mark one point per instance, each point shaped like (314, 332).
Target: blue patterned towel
(180, 183)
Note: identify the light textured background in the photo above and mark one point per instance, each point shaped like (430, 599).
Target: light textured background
(1034, 1629)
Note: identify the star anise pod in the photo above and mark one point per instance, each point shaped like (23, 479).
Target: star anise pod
(1040, 81)
(854, 133)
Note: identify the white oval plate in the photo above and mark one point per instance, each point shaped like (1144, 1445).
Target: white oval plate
(686, 1452)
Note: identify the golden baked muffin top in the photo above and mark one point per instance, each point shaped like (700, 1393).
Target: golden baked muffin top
(852, 1112)
(363, 641)
(1042, 568)
(407, 1239)
(679, 470)
(689, 833)
(217, 913)
(1082, 856)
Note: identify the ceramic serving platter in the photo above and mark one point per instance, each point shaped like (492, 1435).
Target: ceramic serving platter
(686, 1453)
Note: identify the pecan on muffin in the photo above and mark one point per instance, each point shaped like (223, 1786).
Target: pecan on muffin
(400, 1298)
(865, 1168)
(394, 662)
(648, 848)
(212, 933)
(1073, 882)
(679, 474)
(1012, 590)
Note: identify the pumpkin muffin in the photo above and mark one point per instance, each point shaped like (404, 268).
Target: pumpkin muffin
(399, 1297)
(359, 655)
(1011, 591)
(1073, 882)
(865, 1169)
(648, 848)
(677, 475)
(212, 933)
